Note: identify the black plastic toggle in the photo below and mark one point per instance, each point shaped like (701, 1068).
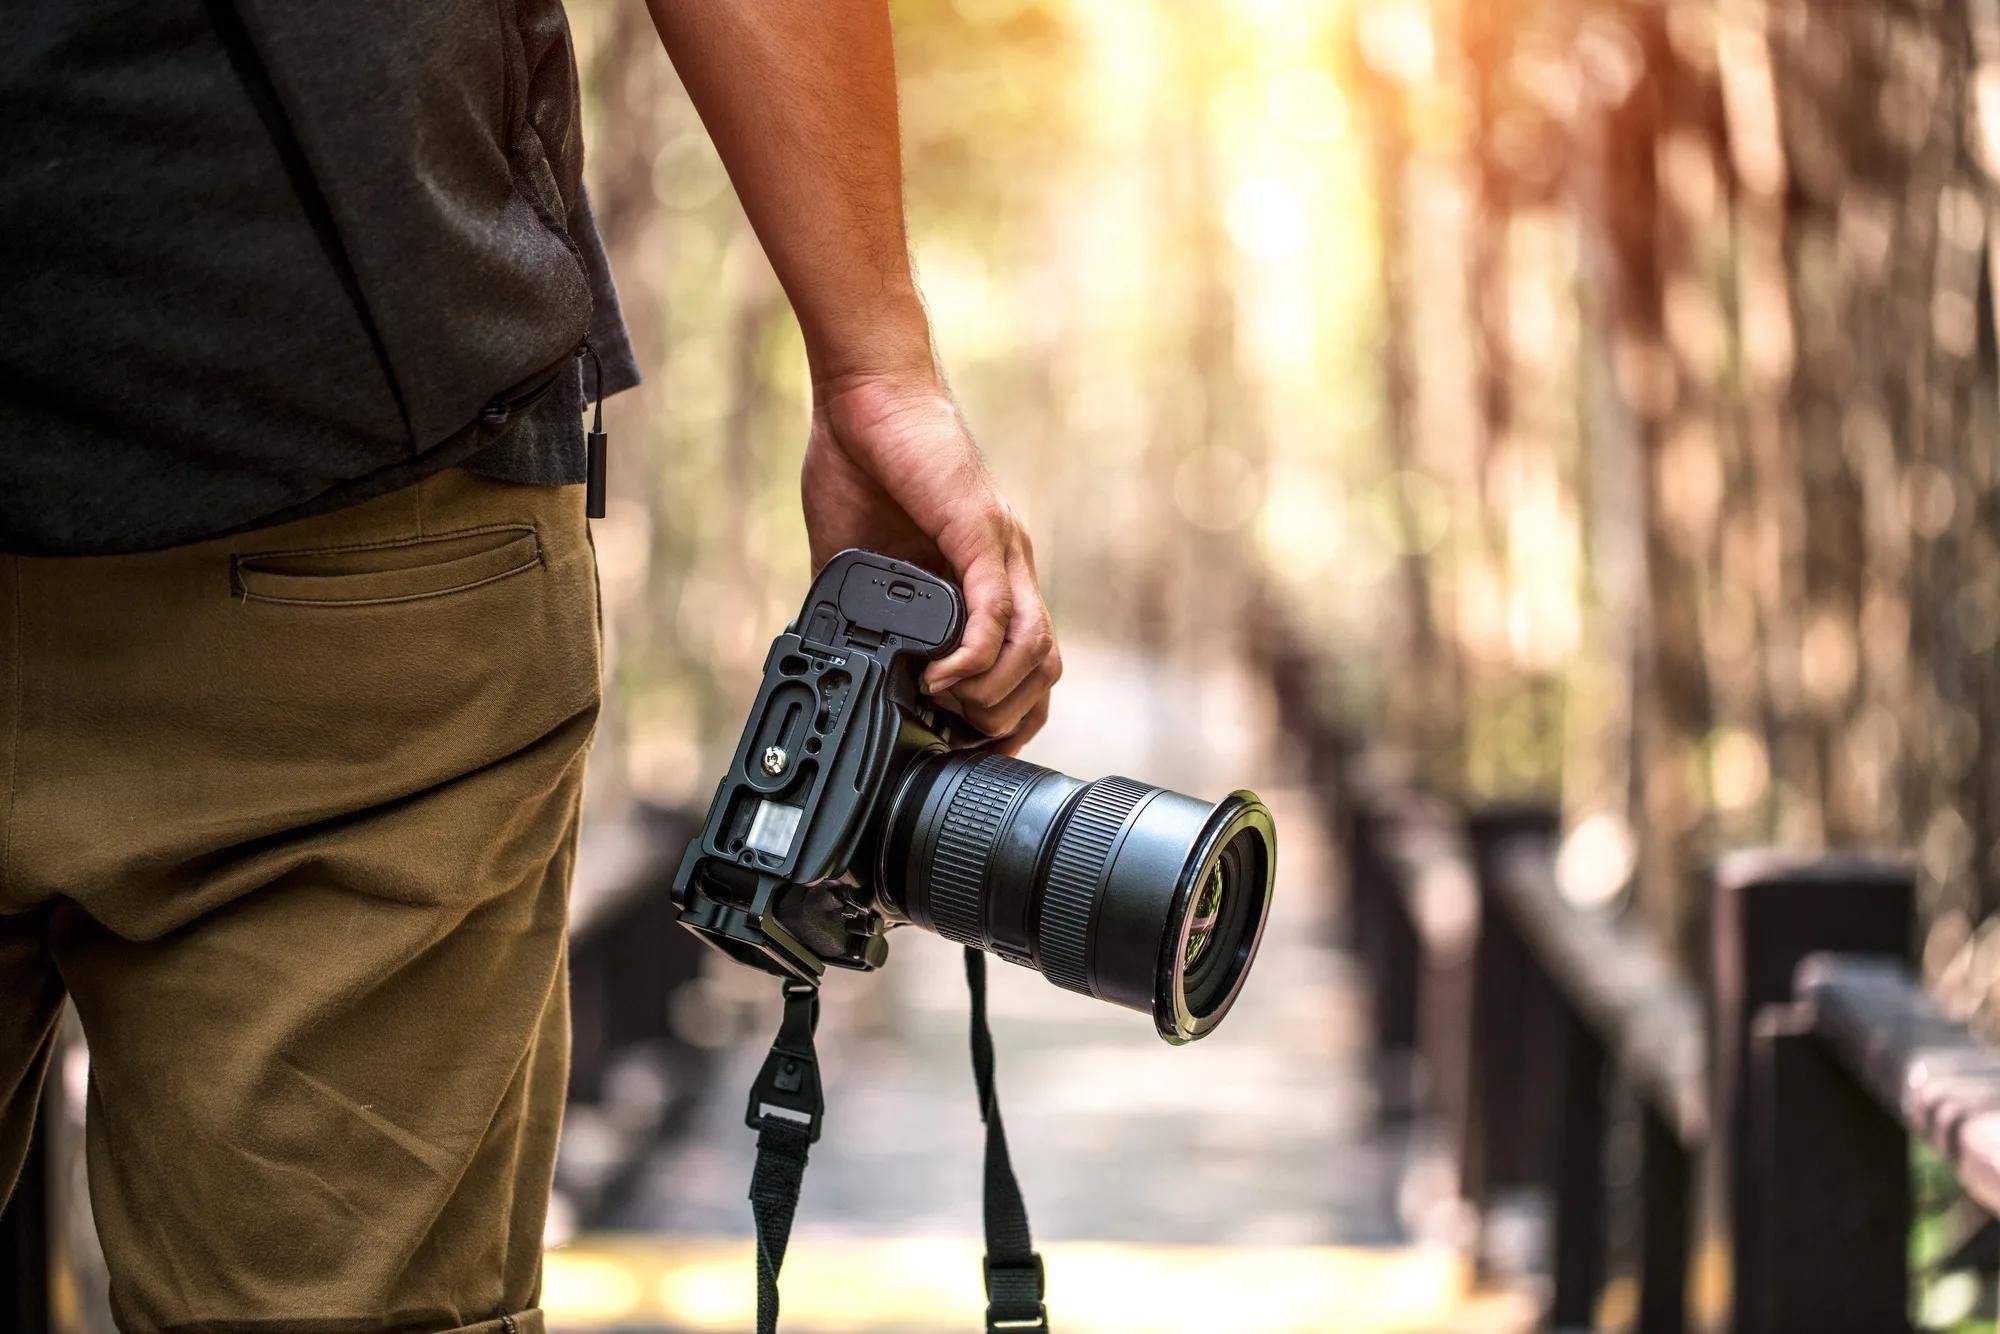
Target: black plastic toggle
(787, 1089)
(596, 443)
(594, 455)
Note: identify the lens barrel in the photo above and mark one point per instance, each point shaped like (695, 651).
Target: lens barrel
(1117, 889)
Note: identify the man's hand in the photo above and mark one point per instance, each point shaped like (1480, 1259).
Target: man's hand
(889, 466)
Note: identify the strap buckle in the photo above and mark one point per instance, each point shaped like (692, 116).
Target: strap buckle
(1014, 1293)
(787, 1089)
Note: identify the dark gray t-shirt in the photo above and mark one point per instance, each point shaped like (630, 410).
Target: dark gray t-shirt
(169, 290)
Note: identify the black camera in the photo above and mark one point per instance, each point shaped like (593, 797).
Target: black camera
(854, 803)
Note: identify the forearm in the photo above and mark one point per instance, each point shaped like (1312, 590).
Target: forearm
(800, 99)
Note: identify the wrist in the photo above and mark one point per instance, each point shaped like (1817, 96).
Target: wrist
(885, 342)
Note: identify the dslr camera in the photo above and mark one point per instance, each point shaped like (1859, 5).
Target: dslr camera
(854, 804)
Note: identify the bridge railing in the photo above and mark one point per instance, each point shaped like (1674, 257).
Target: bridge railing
(1571, 1009)
(1774, 1088)
(1842, 1078)
(1786, 1081)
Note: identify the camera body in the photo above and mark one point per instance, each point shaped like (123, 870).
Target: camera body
(779, 878)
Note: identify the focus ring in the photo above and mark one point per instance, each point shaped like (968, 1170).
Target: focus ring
(971, 828)
(1076, 878)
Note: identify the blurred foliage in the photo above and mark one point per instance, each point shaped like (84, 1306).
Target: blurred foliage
(1689, 315)
(1953, 1292)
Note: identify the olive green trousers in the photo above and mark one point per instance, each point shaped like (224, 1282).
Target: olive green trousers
(290, 817)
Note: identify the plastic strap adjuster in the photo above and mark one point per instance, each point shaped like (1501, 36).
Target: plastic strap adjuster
(1014, 1293)
(787, 1089)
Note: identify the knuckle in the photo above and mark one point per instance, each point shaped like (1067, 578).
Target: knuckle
(987, 644)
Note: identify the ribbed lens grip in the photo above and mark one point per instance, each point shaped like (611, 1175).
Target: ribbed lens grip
(965, 844)
(1076, 878)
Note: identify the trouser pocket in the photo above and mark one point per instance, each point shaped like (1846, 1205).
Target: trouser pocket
(388, 572)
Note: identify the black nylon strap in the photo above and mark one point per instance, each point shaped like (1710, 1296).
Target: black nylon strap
(1015, 1284)
(774, 1198)
(785, 1108)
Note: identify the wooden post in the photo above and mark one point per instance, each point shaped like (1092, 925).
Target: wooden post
(1512, 1050)
(1663, 1223)
(1831, 1173)
(1384, 939)
(1578, 1194)
(1364, 874)
(1771, 911)
(1445, 906)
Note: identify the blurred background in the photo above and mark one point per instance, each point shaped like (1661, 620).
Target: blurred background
(1585, 404)
(1589, 402)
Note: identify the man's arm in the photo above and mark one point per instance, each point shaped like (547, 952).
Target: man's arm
(800, 99)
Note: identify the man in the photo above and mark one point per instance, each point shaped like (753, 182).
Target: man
(298, 653)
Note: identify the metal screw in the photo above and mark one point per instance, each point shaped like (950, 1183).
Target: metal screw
(775, 760)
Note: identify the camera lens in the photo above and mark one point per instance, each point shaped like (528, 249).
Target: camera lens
(1117, 889)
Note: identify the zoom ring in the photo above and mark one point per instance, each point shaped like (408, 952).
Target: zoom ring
(1076, 878)
(972, 822)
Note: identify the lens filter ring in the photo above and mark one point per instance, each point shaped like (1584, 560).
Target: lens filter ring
(1220, 906)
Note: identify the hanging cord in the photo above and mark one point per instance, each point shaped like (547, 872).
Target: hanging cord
(1015, 1282)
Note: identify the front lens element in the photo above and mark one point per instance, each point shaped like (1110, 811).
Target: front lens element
(1202, 922)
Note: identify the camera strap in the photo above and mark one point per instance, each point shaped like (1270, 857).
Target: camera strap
(1014, 1277)
(785, 1111)
(786, 1108)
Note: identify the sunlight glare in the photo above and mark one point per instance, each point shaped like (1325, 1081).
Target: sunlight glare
(1267, 218)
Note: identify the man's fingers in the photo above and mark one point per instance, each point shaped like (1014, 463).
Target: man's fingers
(989, 607)
(1007, 717)
(1029, 641)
